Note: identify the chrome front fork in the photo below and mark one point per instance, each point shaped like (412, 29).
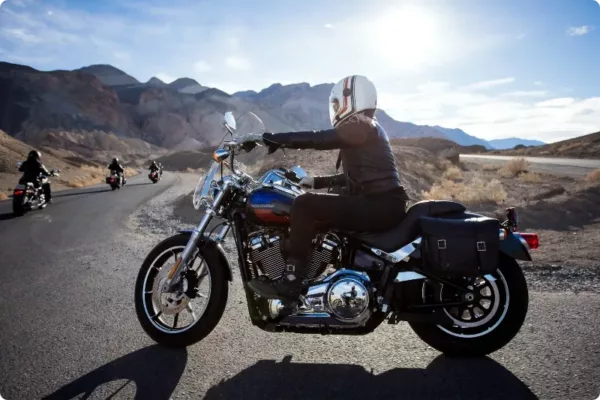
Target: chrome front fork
(197, 233)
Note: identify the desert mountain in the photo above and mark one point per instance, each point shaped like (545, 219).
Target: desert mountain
(587, 146)
(181, 114)
(509, 143)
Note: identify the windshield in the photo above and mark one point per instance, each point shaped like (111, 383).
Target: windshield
(236, 127)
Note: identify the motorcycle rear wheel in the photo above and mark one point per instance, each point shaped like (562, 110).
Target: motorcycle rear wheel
(18, 207)
(506, 316)
(146, 307)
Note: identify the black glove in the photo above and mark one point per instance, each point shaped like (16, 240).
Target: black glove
(271, 145)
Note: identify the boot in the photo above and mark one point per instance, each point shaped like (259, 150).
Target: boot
(286, 288)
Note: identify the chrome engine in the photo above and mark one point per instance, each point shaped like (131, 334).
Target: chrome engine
(266, 254)
(344, 295)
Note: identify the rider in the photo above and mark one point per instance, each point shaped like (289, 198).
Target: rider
(160, 168)
(373, 199)
(32, 168)
(116, 167)
(154, 167)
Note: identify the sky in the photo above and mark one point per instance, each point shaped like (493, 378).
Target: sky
(496, 69)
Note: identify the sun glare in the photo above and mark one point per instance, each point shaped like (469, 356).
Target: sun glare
(406, 37)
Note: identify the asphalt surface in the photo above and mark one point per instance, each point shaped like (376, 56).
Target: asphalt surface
(68, 327)
(574, 167)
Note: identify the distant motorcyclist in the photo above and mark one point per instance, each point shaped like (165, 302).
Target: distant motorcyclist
(32, 168)
(117, 168)
(154, 167)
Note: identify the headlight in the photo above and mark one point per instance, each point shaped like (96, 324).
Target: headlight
(205, 187)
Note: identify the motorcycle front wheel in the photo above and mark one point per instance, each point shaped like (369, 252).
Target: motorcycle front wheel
(489, 323)
(189, 314)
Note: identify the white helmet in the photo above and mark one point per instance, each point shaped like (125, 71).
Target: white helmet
(349, 96)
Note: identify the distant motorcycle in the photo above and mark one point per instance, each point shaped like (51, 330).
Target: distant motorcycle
(154, 176)
(114, 180)
(29, 196)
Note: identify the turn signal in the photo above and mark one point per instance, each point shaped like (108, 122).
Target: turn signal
(532, 240)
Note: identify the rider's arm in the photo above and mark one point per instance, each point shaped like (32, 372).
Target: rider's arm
(347, 135)
(322, 182)
(22, 166)
(43, 170)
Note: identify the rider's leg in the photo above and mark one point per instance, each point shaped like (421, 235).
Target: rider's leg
(325, 211)
(47, 192)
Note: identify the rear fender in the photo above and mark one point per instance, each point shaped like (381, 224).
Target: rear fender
(211, 245)
(514, 246)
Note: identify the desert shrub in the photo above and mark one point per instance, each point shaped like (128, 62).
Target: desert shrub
(514, 167)
(490, 167)
(3, 196)
(530, 177)
(453, 173)
(593, 176)
(451, 155)
(476, 191)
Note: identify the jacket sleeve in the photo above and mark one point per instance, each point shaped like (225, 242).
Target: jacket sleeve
(22, 166)
(44, 170)
(322, 182)
(351, 134)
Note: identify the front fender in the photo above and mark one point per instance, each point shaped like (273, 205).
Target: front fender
(514, 246)
(212, 245)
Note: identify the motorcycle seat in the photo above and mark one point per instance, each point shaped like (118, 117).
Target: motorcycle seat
(408, 229)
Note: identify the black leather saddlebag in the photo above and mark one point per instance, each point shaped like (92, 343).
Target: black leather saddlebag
(464, 247)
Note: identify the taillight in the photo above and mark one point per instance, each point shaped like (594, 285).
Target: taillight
(18, 192)
(532, 240)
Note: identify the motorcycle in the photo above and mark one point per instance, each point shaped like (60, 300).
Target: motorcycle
(450, 273)
(154, 176)
(114, 180)
(29, 196)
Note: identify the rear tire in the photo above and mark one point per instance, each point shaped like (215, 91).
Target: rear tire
(18, 208)
(454, 341)
(216, 302)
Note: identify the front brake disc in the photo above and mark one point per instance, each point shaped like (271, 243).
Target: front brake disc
(169, 303)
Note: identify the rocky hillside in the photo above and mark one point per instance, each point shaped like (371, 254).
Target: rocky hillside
(587, 146)
(182, 114)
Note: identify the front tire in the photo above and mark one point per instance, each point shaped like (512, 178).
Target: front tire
(470, 340)
(146, 307)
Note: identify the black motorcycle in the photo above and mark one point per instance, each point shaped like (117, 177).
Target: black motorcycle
(154, 176)
(30, 195)
(452, 274)
(115, 180)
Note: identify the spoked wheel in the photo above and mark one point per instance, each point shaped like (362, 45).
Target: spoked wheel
(188, 313)
(493, 312)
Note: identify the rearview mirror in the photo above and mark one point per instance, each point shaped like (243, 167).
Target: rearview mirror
(19, 164)
(229, 121)
(220, 155)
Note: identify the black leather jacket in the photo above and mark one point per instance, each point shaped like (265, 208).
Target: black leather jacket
(368, 162)
(118, 168)
(32, 169)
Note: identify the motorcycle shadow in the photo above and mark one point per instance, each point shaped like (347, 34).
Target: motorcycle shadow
(100, 190)
(444, 378)
(155, 372)
(5, 216)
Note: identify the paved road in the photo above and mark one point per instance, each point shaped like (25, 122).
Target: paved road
(561, 166)
(68, 329)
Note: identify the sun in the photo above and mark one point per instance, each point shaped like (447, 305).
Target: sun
(406, 37)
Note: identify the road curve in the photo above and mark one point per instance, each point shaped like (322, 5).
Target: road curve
(575, 167)
(68, 328)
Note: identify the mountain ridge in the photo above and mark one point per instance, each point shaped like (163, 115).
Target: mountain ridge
(103, 97)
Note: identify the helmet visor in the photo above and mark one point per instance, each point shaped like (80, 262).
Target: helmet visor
(334, 108)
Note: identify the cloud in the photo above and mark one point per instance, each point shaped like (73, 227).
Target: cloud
(558, 102)
(491, 116)
(202, 66)
(236, 62)
(22, 35)
(328, 26)
(491, 83)
(579, 30)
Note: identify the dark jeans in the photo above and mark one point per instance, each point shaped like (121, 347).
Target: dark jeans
(319, 211)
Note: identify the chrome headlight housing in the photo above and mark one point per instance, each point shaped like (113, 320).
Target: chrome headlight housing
(206, 187)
